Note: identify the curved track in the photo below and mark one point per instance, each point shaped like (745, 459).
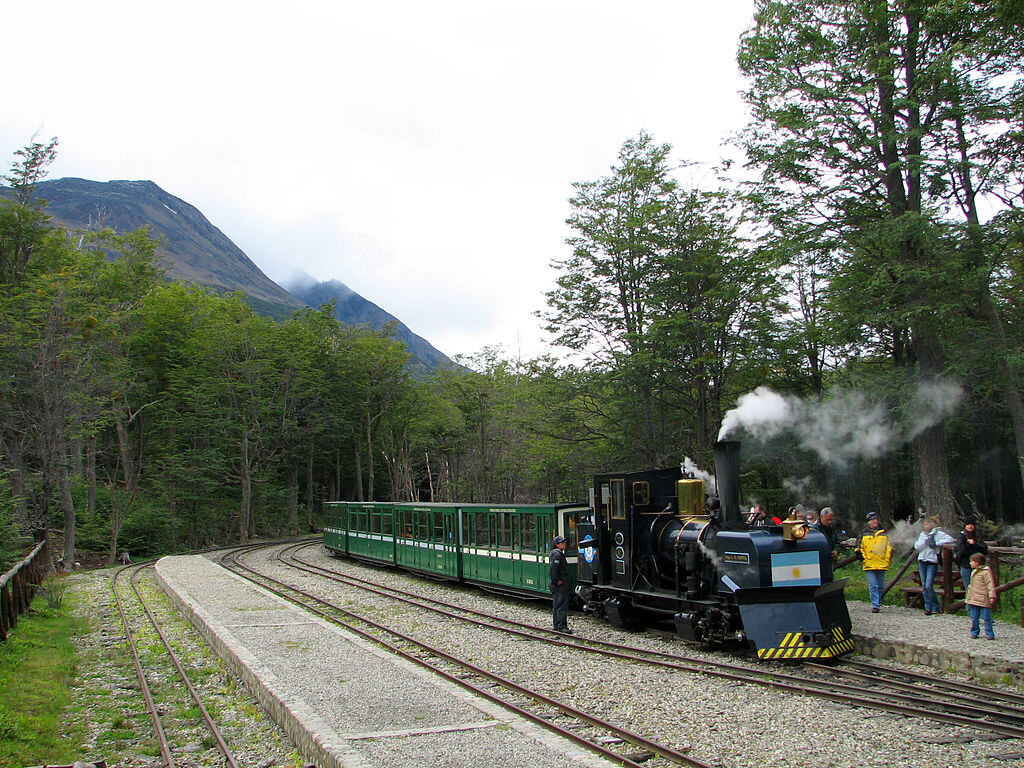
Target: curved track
(570, 722)
(853, 683)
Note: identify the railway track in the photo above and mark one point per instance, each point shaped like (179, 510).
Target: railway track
(850, 683)
(615, 742)
(168, 705)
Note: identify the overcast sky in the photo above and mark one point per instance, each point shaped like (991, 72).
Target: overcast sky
(423, 153)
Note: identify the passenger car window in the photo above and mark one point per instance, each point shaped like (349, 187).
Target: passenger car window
(504, 530)
(529, 533)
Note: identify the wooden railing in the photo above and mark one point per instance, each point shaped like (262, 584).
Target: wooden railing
(18, 586)
(951, 600)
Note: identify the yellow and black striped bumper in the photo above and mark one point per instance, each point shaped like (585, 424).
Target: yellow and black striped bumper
(792, 647)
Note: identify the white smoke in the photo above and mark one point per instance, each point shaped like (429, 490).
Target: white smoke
(690, 467)
(846, 424)
(932, 403)
(798, 487)
(845, 427)
(763, 413)
(902, 535)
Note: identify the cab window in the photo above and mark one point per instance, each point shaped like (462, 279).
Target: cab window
(617, 502)
(641, 493)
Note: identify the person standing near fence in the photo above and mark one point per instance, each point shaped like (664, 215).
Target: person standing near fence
(968, 543)
(876, 552)
(929, 546)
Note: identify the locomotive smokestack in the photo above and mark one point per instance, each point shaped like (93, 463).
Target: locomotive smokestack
(727, 477)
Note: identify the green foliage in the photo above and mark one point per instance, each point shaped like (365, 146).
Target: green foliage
(54, 586)
(11, 543)
(665, 302)
(36, 669)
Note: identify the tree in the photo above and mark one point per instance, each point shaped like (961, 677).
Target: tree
(662, 297)
(23, 224)
(601, 304)
(868, 118)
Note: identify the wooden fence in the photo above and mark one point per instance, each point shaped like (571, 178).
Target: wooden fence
(19, 585)
(949, 574)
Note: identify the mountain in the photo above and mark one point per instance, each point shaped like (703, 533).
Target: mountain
(197, 252)
(359, 311)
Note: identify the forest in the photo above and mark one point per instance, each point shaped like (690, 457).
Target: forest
(847, 303)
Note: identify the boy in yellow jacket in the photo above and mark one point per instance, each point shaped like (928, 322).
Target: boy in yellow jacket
(876, 552)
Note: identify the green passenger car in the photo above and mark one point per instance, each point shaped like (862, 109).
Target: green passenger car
(371, 531)
(507, 546)
(336, 527)
(501, 547)
(426, 538)
(361, 530)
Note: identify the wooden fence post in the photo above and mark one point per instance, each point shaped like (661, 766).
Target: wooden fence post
(18, 586)
(947, 579)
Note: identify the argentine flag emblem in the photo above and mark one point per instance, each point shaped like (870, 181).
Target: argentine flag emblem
(796, 569)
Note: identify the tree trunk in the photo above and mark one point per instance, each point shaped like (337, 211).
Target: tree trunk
(359, 472)
(21, 501)
(369, 459)
(90, 469)
(930, 444)
(292, 496)
(246, 478)
(66, 503)
(309, 489)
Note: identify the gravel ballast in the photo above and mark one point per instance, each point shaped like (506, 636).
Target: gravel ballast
(724, 723)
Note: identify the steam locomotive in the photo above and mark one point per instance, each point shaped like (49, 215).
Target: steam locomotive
(650, 548)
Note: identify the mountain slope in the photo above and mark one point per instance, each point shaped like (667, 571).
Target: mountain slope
(360, 311)
(197, 252)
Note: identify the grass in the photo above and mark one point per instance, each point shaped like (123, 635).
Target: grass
(37, 665)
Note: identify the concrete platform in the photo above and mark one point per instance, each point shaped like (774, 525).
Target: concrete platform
(941, 641)
(345, 702)
(349, 704)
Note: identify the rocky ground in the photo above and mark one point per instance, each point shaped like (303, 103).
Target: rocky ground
(108, 718)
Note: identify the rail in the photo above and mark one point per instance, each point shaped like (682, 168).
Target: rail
(18, 586)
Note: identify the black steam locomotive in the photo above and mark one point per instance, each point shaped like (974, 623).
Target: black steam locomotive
(651, 548)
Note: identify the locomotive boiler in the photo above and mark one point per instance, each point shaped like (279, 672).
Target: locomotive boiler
(653, 548)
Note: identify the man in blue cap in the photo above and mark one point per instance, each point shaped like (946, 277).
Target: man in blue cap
(559, 570)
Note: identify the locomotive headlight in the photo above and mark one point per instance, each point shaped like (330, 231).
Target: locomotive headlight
(794, 529)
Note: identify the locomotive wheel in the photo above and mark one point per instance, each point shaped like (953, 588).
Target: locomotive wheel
(620, 612)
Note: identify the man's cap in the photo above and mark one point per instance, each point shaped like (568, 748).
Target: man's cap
(559, 540)
(872, 516)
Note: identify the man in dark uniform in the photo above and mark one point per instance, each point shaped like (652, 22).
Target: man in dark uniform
(559, 586)
(827, 526)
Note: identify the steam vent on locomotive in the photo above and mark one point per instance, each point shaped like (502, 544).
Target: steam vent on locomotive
(656, 553)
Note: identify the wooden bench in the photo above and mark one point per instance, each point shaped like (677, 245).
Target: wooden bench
(913, 594)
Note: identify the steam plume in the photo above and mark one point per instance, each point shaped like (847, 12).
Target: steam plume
(846, 425)
(709, 480)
